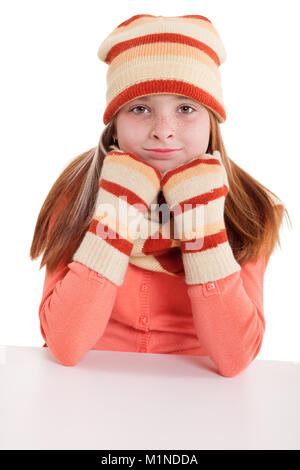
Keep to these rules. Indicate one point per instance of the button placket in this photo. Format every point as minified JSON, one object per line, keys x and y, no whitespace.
{"x":144,"y":312}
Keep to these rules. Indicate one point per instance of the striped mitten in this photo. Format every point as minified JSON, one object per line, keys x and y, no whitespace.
{"x":195,"y":192}
{"x":127,"y":187}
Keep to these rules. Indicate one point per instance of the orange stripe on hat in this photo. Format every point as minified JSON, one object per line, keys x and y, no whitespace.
{"x":164,"y":37}
{"x":163,"y":86}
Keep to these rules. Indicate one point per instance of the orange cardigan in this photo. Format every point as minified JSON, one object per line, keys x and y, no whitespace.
{"x":154,"y":312}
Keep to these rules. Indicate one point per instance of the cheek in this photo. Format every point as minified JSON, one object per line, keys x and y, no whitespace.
{"x":132,"y":131}
{"x":198,"y":131}
{"x":195,"y":135}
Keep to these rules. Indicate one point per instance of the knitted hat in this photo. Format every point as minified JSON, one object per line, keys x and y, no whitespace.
{"x":150,"y":54}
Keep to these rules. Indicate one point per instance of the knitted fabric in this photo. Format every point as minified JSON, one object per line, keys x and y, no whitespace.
{"x":155,"y":247}
{"x":196,"y":192}
{"x":127,"y":187}
{"x":150,"y":54}
{"x":154,"y":243}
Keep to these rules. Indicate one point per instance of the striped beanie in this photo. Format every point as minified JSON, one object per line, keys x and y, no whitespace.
{"x":150,"y":54}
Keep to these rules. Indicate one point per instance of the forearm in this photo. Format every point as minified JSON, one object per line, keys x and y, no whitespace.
{"x":75,"y":311}
{"x":228,"y":317}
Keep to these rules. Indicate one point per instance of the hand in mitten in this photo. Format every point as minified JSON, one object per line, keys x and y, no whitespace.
{"x":195,"y":192}
{"x":127,"y":187}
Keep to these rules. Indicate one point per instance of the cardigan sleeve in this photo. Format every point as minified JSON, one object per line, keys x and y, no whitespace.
{"x":76,"y":305}
{"x":229,"y":317}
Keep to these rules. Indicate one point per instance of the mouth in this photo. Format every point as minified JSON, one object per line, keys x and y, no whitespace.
{"x":162,"y":152}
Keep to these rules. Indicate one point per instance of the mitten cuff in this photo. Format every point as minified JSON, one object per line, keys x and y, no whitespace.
{"x":209,"y":265}
{"x":102,"y":257}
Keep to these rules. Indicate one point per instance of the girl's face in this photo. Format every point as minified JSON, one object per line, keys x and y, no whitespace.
{"x":163,"y":121}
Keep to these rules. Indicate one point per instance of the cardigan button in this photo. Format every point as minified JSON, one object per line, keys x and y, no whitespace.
{"x":143,"y":319}
{"x":144,"y":287}
{"x":211,"y":286}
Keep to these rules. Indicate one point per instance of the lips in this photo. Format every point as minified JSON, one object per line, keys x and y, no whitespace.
{"x":162,"y":153}
{"x":163,"y":150}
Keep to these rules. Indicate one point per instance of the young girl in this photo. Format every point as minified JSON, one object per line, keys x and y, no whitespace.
{"x":121,"y":277}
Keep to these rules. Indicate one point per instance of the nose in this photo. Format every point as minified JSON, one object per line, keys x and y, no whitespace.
{"x":162,"y":128}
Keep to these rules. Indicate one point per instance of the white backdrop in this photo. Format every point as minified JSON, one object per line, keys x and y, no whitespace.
{"x":52,"y":101}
